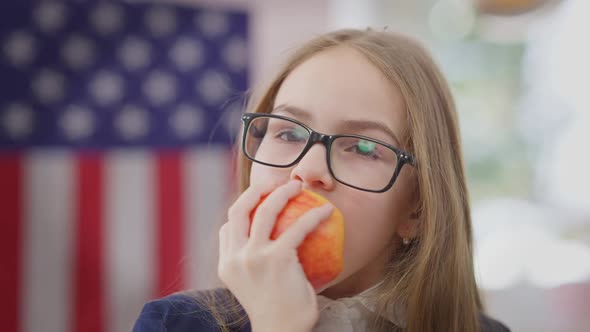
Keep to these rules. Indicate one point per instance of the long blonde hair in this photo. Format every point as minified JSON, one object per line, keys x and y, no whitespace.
{"x":434,"y":276}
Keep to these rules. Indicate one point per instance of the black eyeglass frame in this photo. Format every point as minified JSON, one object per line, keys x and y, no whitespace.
{"x":403,"y":157}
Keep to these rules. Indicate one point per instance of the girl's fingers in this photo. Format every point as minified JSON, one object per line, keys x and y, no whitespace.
{"x":239,"y":213}
{"x":268,"y":211}
{"x":296,"y":232}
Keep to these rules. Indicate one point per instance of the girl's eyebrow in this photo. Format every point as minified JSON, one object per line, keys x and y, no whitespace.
{"x":365,"y":124}
{"x":347,"y":124}
{"x":294,"y":111}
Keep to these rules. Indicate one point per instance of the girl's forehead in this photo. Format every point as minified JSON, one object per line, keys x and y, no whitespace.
{"x":342,"y":84}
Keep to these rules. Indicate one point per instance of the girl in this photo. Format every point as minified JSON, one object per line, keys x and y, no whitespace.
{"x":365,"y":119}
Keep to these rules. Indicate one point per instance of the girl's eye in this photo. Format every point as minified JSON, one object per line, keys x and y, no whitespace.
{"x":365,"y":148}
{"x":293,"y":135}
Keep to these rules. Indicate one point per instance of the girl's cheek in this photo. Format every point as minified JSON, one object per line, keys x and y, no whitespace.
{"x":258,"y":175}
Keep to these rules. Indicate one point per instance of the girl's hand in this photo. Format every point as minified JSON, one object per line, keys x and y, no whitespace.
{"x":265,"y":275}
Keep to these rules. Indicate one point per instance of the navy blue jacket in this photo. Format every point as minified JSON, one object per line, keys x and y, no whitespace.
{"x":181,"y":313}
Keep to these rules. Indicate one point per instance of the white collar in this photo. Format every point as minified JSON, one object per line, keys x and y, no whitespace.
{"x":348,"y":313}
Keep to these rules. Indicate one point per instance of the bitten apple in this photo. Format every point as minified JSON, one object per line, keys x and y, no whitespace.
{"x":321,"y":252}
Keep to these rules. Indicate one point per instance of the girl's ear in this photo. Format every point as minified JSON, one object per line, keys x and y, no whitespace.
{"x":408,"y":228}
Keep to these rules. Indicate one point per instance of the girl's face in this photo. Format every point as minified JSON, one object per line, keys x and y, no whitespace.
{"x":339,"y":91}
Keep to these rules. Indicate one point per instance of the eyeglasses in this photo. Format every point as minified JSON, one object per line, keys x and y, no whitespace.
{"x":357,"y":161}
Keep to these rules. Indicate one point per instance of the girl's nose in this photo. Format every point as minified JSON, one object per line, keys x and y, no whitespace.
{"x":313,"y":169}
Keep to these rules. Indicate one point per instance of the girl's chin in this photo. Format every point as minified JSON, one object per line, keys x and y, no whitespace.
{"x":320,"y":289}
{"x":332,"y":283}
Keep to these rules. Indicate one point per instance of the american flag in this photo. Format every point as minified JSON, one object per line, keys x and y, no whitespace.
{"x":116,"y":165}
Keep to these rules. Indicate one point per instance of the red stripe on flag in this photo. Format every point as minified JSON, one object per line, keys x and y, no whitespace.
{"x":170,"y":219}
{"x":11,"y":220}
{"x":88,"y":306}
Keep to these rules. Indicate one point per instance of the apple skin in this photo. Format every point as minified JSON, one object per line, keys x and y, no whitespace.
{"x":321,"y":253}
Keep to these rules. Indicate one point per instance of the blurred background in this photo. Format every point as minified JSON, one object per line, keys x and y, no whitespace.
{"x":116,"y":164}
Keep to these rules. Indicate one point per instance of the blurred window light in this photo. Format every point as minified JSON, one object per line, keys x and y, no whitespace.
{"x":518,"y":242}
{"x":451,"y":20}
{"x":563,"y":167}
{"x":358,"y":14}
{"x":555,"y":68}
{"x":554,"y":262}
{"x":564,"y":53}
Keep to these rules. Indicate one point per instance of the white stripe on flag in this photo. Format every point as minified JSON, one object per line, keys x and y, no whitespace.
{"x":48,"y":241}
{"x":206,"y":172}
{"x":130,"y":246}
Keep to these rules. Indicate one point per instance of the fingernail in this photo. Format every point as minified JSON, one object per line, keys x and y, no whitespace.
{"x":327,"y":208}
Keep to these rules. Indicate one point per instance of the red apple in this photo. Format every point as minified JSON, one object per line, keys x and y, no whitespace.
{"x":321,"y":252}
